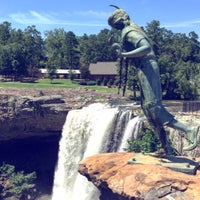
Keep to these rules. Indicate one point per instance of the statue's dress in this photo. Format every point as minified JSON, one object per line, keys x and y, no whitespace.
{"x":149,"y":77}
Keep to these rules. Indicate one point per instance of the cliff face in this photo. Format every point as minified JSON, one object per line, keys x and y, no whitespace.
{"x":32,"y":112}
{"x":23,"y":117}
{"x":118,"y":180}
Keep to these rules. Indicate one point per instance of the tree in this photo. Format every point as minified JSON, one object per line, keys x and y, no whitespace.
{"x":5,"y":31}
{"x":12,"y":61}
{"x":177,"y":56}
{"x":72,"y":52}
{"x":51,"y":72}
{"x":84,"y":49}
{"x":88,"y":49}
{"x":21,"y":52}
{"x":62,"y":49}
{"x":104,"y":50}
{"x":54,"y":45}
{"x":95,"y":48}
{"x":34,"y":49}
{"x":16,"y":185}
{"x":85,"y":72}
{"x":132,"y":83}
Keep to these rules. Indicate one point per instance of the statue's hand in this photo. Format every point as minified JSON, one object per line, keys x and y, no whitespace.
{"x":118,"y":49}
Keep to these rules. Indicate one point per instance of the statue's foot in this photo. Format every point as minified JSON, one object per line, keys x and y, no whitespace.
{"x":161,"y":153}
{"x":132,"y":161}
{"x":171,"y":151}
{"x":192,"y":137}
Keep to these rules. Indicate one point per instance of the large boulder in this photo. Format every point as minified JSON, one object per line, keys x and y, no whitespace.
{"x":118,"y":180}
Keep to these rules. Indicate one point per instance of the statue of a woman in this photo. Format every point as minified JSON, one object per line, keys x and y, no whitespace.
{"x":137,"y":48}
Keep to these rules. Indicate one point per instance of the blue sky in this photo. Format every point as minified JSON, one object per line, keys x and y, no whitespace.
{"x":90,"y":16}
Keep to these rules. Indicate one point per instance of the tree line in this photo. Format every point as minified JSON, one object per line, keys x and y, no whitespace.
{"x":24,"y":52}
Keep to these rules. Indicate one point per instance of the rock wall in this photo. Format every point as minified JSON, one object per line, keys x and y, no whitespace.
{"x":178,"y":138}
{"x":25,"y":113}
{"x":22,"y":117}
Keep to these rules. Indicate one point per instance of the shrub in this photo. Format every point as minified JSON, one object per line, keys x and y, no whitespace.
{"x":98,"y":81}
{"x":148,"y":142}
{"x":16,"y":184}
{"x":41,"y":93}
{"x":83,"y":82}
{"x":111,"y":82}
{"x":105,"y":81}
{"x":91,"y":83}
{"x":71,"y":75}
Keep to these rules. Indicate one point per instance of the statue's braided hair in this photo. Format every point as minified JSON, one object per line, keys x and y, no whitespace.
{"x":117,"y":16}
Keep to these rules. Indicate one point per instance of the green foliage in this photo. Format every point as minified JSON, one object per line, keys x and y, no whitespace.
{"x":95,"y":48}
{"x":20,"y":52}
{"x":98,"y":81}
{"x":7,"y":169}
{"x":105,"y":81}
{"x":178,"y":58}
{"x":110,"y":82}
{"x":41,"y":93}
{"x":91,"y":83}
{"x":62,"y":48}
{"x":71,"y":75}
{"x":20,"y":184}
{"x":147,"y":142}
{"x":23,"y":52}
{"x":51,"y":72}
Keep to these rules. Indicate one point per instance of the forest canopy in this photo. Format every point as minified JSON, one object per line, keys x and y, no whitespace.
{"x":24,"y":52}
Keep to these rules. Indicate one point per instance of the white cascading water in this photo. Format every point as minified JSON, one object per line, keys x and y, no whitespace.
{"x":94,"y":129}
{"x":131,"y":132}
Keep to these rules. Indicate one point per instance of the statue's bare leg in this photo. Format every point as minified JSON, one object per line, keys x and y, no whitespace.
{"x":164,"y":141}
{"x":191,"y":133}
{"x":192,"y":136}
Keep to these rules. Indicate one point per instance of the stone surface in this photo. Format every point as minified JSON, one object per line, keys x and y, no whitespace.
{"x":31,"y":116}
{"x":177,"y":163}
{"x":118,"y":180}
{"x":33,"y":112}
{"x":177,"y":137}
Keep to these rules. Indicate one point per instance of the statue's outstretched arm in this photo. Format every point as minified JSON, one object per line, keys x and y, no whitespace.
{"x":143,"y":49}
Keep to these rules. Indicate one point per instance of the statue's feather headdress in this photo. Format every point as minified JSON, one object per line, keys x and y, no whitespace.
{"x":117,"y":15}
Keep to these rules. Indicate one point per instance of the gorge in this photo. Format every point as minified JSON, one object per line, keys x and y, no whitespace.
{"x":32,"y":126}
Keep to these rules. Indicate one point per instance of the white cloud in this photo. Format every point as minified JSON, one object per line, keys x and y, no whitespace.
{"x":75,"y":19}
{"x":92,"y":14}
{"x":183,"y":24}
{"x":31,"y":17}
{"x":41,"y":18}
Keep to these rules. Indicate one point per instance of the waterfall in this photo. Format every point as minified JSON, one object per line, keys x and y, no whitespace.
{"x":131,"y":132}
{"x":94,"y":129}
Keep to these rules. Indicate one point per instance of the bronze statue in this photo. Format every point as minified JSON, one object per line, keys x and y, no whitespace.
{"x":137,"y":48}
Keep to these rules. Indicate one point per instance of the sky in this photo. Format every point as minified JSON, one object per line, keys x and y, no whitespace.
{"x":90,"y":16}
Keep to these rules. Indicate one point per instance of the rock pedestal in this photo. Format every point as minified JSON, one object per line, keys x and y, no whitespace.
{"x":118,"y":180}
{"x":176,"y":163}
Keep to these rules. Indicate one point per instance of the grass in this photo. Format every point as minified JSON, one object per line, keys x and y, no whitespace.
{"x":56,"y":84}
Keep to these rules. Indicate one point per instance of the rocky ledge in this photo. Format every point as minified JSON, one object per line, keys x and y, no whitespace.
{"x":33,"y":112}
{"x":31,"y":116}
{"x":118,"y":180}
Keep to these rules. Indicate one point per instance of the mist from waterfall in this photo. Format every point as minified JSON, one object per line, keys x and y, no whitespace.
{"x":95,"y":129}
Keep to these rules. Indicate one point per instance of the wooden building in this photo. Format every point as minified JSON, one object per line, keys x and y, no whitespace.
{"x":62,"y":73}
{"x":101,"y":70}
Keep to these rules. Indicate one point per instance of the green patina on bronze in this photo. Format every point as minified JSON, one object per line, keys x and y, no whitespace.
{"x":176,"y":163}
{"x":136,"y":48}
